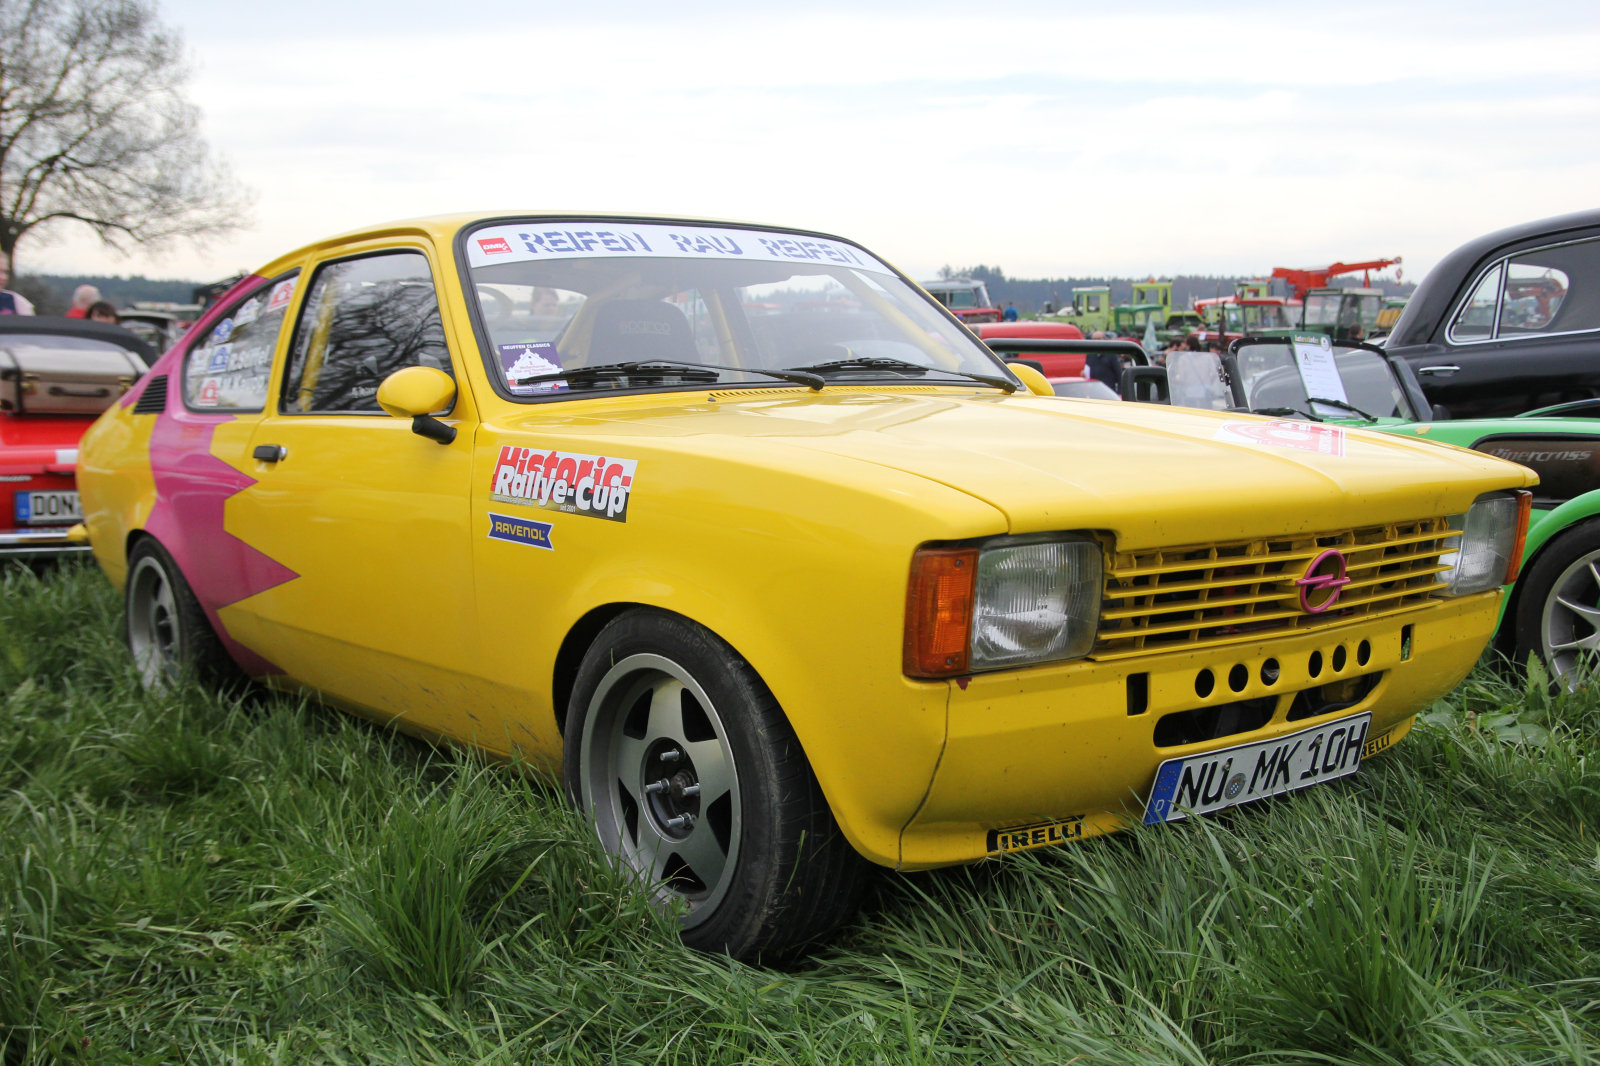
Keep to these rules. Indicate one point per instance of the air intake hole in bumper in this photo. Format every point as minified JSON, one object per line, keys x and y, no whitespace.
{"x":1325,"y":699}
{"x":1211,"y":723}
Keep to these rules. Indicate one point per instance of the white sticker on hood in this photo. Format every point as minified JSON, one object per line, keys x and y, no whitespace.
{"x":1301,"y":436}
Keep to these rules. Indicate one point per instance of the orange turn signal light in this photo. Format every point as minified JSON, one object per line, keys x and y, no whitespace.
{"x":939,"y":611}
{"x":1524,"y":511}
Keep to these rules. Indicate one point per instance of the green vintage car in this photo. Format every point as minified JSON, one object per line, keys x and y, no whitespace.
{"x":1317,"y":391}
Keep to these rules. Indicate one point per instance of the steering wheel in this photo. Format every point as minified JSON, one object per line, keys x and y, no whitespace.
{"x":496,"y":305}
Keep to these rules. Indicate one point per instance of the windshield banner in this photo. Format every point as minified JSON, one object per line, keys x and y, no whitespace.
{"x":521,"y":242}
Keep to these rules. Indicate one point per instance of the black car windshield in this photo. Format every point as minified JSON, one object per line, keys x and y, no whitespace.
{"x":575,"y":296}
{"x":1303,"y":377}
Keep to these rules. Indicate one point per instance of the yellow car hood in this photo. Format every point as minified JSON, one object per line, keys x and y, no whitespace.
{"x":1151,"y":473}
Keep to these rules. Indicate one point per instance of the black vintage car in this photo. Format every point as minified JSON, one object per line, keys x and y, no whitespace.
{"x":1509,"y":322}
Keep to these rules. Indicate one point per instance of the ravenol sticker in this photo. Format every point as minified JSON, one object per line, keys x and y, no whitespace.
{"x":591,"y":485}
{"x":282,"y":293}
{"x":1044,"y":834}
{"x":1301,"y":436}
{"x":520,"y":531}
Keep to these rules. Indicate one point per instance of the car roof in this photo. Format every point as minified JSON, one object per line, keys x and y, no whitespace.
{"x":1433,"y":298}
{"x":76,"y":327}
{"x":443,"y":228}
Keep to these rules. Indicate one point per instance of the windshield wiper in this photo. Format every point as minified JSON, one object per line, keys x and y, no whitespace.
{"x":1281,"y":411}
{"x":622,"y":370}
{"x":865,"y":362}
{"x":1340,"y":404}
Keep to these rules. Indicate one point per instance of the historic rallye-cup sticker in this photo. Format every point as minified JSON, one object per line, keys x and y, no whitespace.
{"x":595,"y":485}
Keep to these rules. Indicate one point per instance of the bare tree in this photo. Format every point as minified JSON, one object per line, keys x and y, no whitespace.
{"x":95,"y":128}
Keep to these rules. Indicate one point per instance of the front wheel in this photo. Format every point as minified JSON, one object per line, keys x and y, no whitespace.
{"x":691,"y":775}
{"x":1558,"y":606}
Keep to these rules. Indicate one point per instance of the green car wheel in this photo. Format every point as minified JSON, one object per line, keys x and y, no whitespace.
{"x":1558,"y":606}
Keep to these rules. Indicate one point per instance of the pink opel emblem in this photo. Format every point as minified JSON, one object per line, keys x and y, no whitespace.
{"x":1325,"y":577}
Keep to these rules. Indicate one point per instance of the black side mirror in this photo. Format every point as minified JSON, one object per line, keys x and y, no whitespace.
{"x":1145,"y":384}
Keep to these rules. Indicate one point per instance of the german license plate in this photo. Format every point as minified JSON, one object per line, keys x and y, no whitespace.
{"x":48,"y":509}
{"x":1199,"y":784}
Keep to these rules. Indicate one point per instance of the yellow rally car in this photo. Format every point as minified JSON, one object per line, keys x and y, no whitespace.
{"x":742,"y":534}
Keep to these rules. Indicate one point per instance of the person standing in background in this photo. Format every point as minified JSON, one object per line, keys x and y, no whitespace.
{"x":104,"y":312}
{"x":11,"y":303}
{"x":1010,"y":313}
{"x":83,"y":298}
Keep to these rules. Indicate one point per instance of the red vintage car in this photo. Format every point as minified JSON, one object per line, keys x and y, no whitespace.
{"x":56,"y":376}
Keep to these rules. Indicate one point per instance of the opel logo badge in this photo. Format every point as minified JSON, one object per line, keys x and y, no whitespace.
{"x":1324,"y":579}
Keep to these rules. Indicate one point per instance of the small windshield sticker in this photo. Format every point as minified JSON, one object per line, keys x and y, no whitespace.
{"x":282,"y":293}
{"x":530,"y":359}
{"x":248,"y":312}
{"x":219,"y":359}
{"x":566,"y":240}
{"x":223,"y":331}
{"x":1301,"y":436}
{"x":520,"y":531}
{"x":591,"y":485}
{"x":210,"y":390}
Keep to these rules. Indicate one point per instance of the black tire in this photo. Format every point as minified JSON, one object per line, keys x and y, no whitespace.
{"x":654,"y":683}
{"x":167,"y":630}
{"x":1557,"y":610}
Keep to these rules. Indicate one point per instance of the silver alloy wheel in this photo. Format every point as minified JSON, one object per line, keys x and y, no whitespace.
{"x":659,"y":782}
{"x":153,"y":623}
{"x":1569,"y":628}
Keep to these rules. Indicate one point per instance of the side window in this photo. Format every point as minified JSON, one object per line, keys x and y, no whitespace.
{"x":1552,"y":290}
{"x":1475,"y":320}
{"x":362,"y":320}
{"x":227,"y":367}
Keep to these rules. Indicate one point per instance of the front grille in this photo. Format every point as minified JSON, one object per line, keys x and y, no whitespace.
{"x":1208,"y":594}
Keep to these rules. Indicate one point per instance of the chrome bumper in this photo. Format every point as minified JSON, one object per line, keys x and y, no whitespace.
{"x":56,"y":541}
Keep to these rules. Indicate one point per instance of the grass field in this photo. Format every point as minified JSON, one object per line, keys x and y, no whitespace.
{"x":187,"y":878}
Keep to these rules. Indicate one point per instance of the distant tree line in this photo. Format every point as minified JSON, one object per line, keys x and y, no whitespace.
{"x":51,"y":294}
{"x":1031,"y":294}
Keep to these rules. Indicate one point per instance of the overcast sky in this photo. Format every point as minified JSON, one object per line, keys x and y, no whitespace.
{"x":1046,"y":138}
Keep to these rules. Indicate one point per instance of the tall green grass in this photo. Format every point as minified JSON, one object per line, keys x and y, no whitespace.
{"x":204,"y":878}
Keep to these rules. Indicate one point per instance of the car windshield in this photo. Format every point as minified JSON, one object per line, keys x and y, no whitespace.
{"x":573,"y":296}
{"x":1279,"y":377}
{"x":1265,"y":316}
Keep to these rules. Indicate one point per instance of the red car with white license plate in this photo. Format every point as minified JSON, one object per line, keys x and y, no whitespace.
{"x":56,"y":376}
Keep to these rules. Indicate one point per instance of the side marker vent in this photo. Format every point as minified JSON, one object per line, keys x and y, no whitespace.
{"x":153,"y":401}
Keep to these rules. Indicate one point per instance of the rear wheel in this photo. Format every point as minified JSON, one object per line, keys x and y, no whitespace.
{"x":691,"y":775}
{"x":168,"y":632}
{"x":1558,"y":606}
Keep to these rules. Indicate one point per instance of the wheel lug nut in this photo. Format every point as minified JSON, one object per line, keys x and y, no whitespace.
{"x":658,"y":786}
{"x":691,"y":790}
{"x":682,"y":821}
{"x":671,"y":756}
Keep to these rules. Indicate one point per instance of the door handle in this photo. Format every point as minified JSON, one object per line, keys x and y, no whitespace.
{"x":270,"y":453}
{"x":1437,"y":369}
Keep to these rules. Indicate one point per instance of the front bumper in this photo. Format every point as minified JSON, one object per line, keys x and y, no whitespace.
{"x":1067,"y":743}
